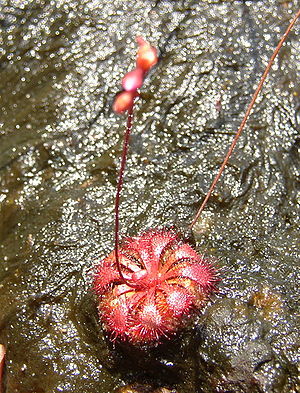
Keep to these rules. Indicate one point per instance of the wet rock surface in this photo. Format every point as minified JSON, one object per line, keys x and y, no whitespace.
{"x":61,"y":65}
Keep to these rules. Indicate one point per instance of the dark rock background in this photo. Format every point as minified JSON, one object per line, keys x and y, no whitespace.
{"x":60,"y":66}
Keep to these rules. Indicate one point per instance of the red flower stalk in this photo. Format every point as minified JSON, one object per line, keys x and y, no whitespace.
{"x":149,"y":285}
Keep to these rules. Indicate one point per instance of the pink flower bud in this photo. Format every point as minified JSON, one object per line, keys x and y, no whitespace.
{"x":124,"y":101}
{"x":133,"y":80}
{"x":146,"y":55}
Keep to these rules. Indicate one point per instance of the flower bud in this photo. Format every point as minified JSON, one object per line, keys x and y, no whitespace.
{"x":146,"y":55}
{"x":123,"y":101}
{"x":133,"y":80}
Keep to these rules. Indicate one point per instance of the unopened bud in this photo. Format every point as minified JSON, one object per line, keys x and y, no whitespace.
{"x":133,"y":80}
{"x":146,"y":55}
{"x":124,"y":101}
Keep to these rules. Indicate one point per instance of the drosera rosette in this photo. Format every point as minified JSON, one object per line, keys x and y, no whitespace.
{"x":168,"y":279}
{"x":152,"y":283}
